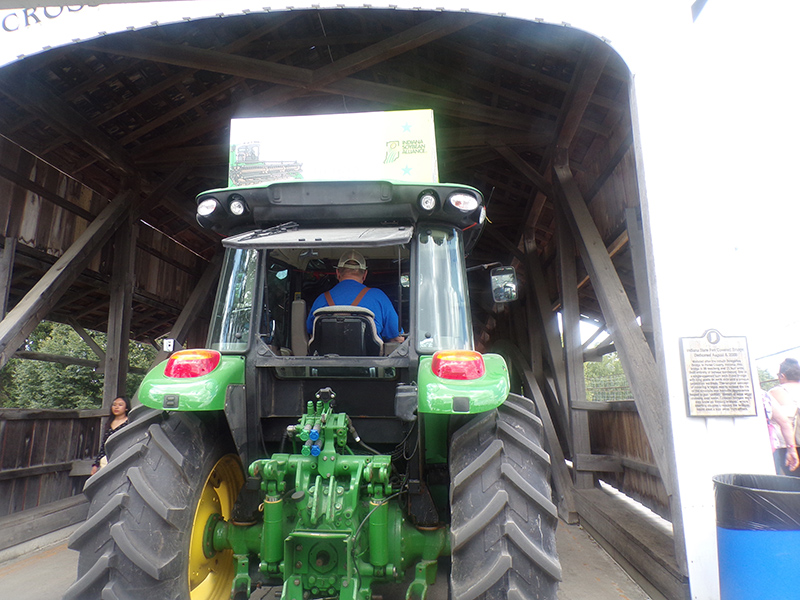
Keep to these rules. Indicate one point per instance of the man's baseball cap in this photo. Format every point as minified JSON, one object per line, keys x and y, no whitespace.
{"x":352,"y":260}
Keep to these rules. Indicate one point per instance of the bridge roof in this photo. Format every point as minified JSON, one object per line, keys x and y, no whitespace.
{"x":154,"y":106}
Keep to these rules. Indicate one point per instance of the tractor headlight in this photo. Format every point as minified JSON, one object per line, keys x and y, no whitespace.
{"x":463,"y":201}
{"x":427,"y":201}
{"x":237,"y":205}
{"x":207,"y":206}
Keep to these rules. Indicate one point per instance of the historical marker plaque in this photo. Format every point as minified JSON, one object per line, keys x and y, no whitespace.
{"x":717,"y":376}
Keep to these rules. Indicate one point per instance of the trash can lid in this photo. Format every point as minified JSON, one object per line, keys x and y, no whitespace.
{"x":757,"y":502}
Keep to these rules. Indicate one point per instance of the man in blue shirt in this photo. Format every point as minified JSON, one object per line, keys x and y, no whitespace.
{"x":351,"y":271}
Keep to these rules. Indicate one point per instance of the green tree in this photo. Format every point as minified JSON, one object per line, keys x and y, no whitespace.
{"x":39,"y":384}
{"x":605,"y":380}
{"x":766,"y":379}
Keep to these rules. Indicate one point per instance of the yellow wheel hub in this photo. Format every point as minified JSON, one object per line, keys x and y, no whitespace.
{"x":211,"y":578}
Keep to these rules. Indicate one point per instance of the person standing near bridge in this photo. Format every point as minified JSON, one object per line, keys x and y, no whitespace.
{"x":785,"y":402}
{"x":117,"y":419}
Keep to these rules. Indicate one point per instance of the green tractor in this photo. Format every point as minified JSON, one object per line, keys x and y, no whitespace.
{"x":334,"y":465}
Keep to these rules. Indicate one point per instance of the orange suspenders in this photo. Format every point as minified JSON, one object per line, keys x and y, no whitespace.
{"x":355,"y":302}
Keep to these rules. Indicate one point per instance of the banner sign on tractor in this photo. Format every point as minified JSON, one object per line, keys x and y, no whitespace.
{"x":392,"y":145}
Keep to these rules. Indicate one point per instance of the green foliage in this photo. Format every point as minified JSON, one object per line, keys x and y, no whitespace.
{"x":605,"y":380}
{"x":767,"y":379}
{"x":39,"y":384}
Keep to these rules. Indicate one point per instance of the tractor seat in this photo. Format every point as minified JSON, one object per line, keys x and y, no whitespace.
{"x":344,"y":331}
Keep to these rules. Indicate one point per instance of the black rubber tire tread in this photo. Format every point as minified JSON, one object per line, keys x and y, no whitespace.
{"x":503,"y":519}
{"x":134,"y":543}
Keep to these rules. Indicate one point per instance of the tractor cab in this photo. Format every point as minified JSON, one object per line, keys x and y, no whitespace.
{"x":412,"y":237}
{"x":272,"y":279}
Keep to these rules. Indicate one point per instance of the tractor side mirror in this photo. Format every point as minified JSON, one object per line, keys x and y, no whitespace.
{"x":504,"y":284}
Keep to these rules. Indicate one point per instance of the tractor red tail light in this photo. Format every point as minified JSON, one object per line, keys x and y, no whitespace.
{"x":458,"y":364}
{"x":191,"y":363}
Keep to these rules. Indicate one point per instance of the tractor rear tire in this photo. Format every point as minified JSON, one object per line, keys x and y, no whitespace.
{"x":167,"y":472}
{"x":503,"y":518}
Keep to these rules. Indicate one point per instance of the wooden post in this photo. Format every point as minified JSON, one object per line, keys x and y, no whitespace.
{"x":8,"y":255}
{"x":119,"y":312}
{"x":553,"y":351}
{"x":197,"y":298}
{"x":573,"y":352}
{"x":635,"y":355}
{"x":633,"y":218}
{"x":6,"y":271}
{"x":43,"y":296}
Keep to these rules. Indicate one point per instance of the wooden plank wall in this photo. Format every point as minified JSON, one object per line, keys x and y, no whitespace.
{"x":48,"y":210}
{"x":165,"y":269}
{"x":38,"y":450}
{"x":616,"y":431}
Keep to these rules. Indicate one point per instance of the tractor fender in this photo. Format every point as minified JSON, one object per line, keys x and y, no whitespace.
{"x":453,"y":396}
{"x":202,"y":393}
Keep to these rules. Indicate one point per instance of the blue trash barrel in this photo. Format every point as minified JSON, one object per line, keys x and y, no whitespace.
{"x":758,"y":536}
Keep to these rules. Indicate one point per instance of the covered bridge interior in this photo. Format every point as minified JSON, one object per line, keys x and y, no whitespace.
{"x":106,"y":142}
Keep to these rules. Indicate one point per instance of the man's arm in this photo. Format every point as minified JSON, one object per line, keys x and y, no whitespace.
{"x":389,"y":327}
{"x":784,"y":423}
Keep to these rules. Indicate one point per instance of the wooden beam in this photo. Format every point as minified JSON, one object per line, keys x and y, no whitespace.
{"x":6,"y":272}
{"x":44,"y":193}
{"x":201,"y":59}
{"x":635,"y":355}
{"x":42,"y":297}
{"x":174,"y":80}
{"x":597,"y":353}
{"x":601,"y":328}
{"x":638,"y":465}
{"x":387,"y":95}
{"x":504,"y":242}
{"x":620,"y":242}
{"x":424,"y":33}
{"x":198,"y":297}
{"x":472,"y":54}
{"x":455,"y":107}
{"x":602,"y":463}
{"x":199,"y":156}
{"x":331,"y":78}
{"x":523,"y":167}
{"x":590,"y":66}
{"x":159,"y":194}
{"x":98,"y":351}
{"x":18,"y":85}
{"x":610,"y":167}
{"x":448,"y":76}
{"x":632,"y":538}
{"x":633,"y":218}
{"x":573,"y":355}
{"x":119,"y":311}
{"x":468,"y":136}
{"x":553,"y":350}
{"x":192,"y":103}
{"x":26,"y":525}
{"x":620,"y":405}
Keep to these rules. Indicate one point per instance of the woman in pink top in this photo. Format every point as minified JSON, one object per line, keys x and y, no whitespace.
{"x":785,"y":403}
